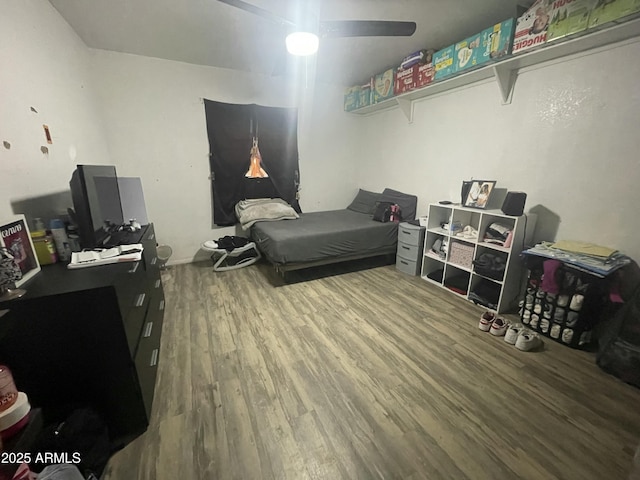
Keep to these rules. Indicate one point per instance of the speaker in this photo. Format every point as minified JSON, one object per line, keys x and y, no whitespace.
{"x":514,"y":203}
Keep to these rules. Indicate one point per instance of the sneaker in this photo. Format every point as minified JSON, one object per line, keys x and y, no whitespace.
{"x":486,"y":320}
{"x":563,"y":300}
{"x":576,"y":302}
{"x":527,"y":341}
{"x":499,"y":327}
{"x":513,"y":332}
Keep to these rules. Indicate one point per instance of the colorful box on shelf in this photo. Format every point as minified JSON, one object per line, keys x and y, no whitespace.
{"x":366,"y":94}
{"x":502,"y":38}
{"x":569,"y":17}
{"x":490,"y":44}
{"x":443,"y":63}
{"x":425,"y":74}
{"x":472,"y":52}
{"x":612,"y":11}
{"x":417,"y":58}
{"x":383,"y":85}
{"x":351,"y":98}
{"x":531,"y":27}
{"x":405,"y":79}
{"x":358,"y":96}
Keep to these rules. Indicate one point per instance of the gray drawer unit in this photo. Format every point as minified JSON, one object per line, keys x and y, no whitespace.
{"x":410,"y":267}
{"x":411,"y":234}
{"x":410,"y":246}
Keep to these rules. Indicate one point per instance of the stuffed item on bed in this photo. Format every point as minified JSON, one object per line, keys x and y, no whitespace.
{"x":263,"y":210}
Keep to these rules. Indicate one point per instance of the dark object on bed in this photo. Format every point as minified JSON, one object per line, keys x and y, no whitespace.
{"x":321,"y":238}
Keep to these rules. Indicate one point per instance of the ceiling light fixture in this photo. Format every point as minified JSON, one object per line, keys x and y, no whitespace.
{"x":302,"y":43}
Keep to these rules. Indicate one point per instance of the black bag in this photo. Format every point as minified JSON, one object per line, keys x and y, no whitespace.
{"x":83,"y":436}
{"x":619,"y":352}
{"x":491,"y":265}
{"x":387,"y":212}
{"x":231,"y":242}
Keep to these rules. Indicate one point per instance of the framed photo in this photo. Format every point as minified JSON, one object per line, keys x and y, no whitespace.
{"x":15,"y":241}
{"x":479,"y":193}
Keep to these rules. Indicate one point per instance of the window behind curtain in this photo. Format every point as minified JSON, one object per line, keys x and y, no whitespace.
{"x":231,"y":129}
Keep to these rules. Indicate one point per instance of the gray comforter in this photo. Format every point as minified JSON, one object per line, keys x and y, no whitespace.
{"x":322,"y":235}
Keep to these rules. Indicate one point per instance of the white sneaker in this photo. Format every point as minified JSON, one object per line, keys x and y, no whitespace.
{"x":499,"y":327}
{"x":528,"y":340}
{"x":486,"y":320}
{"x":513,"y":332}
{"x":210,"y":244}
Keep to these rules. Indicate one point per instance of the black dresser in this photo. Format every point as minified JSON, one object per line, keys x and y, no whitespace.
{"x":89,"y":337}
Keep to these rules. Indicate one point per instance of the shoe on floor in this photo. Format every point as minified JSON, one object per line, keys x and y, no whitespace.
{"x":527,"y":341}
{"x":513,"y":332}
{"x":499,"y":327}
{"x":486,"y":320}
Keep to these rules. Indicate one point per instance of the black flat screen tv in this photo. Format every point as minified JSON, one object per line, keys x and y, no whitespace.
{"x":97,"y":203}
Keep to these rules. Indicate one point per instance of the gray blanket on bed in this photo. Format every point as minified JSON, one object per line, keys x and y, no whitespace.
{"x":322,"y":235}
{"x":263,"y":210}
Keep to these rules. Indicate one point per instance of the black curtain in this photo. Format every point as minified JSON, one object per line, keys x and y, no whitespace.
{"x":231,"y":129}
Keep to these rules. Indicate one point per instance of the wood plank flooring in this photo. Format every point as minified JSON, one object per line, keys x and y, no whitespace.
{"x":369,"y":374}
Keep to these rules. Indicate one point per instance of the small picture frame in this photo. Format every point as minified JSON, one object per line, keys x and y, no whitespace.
{"x":479,"y":193}
{"x":15,"y":240}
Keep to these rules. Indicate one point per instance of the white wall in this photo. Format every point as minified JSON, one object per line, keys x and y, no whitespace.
{"x":145,"y":116}
{"x":44,"y":65}
{"x":155,"y":127}
{"x":570,"y":139}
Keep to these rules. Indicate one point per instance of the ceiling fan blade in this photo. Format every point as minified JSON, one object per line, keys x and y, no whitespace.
{"x":366,"y":28}
{"x":247,"y":7}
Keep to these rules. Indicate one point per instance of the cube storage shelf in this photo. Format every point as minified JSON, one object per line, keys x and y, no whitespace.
{"x":454,"y":267}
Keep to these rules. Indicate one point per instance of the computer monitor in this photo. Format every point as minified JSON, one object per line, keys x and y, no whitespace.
{"x":97,"y":203}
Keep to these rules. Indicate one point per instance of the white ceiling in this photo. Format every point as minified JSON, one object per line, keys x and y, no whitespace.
{"x":207,"y":32}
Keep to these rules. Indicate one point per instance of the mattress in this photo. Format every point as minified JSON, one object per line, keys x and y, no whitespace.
{"x":326,"y":235}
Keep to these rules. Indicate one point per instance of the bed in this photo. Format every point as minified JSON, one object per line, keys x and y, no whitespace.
{"x":321,"y":238}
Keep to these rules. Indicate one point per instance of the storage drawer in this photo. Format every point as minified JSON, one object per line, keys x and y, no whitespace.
{"x":410,"y":234}
{"x":135,"y":319}
{"x":128,"y":284}
{"x":409,"y":252}
{"x":146,"y":363}
{"x":407,"y":266}
{"x":461,"y":254}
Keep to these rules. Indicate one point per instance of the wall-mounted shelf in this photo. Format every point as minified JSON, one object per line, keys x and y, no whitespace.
{"x":505,"y":71}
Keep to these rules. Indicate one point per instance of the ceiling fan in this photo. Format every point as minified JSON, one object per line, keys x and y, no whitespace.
{"x":307,"y":31}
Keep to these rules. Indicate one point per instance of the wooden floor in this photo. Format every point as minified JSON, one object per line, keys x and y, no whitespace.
{"x":365,"y":375}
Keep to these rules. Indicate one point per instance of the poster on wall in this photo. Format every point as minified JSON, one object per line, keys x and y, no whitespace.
{"x":18,"y":258}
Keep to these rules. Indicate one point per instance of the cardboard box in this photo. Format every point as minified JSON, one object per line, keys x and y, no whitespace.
{"x":405,"y":80}
{"x":422,"y":57}
{"x":612,"y":10}
{"x":502,"y":38}
{"x":358,"y":96}
{"x":424,"y":75}
{"x":492,"y":43}
{"x":383,"y":86}
{"x":365,"y":94}
{"x":472,"y":52}
{"x":531,"y":27}
{"x":443,"y":63}
{"x":351,"y":98}
{"x":569,"y":17}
